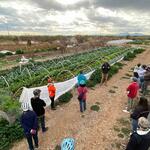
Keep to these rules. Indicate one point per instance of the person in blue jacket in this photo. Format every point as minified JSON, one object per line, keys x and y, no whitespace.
{"x":29,"y":124}
{"x":81,"y":77}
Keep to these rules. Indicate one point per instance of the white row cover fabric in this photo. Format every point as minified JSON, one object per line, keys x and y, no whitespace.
{"x":61,"y":88}
{"x":118,"y":42}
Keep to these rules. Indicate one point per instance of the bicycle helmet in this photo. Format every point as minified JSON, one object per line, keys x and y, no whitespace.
{"x":68,"y":144}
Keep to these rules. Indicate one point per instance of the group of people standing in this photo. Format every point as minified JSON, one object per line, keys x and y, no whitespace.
{"x":139,"y":109}
{"x":31,"y":120}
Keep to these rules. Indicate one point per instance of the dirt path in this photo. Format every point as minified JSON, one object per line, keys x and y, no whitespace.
{"x":92,"y":130}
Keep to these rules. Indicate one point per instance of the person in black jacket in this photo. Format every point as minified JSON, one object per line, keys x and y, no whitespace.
{"x":141,"y":110}
{"x":29,"y":123}
{"x":38,"y":107}
{"x":105,"y":69}
{"x":140,"y":140}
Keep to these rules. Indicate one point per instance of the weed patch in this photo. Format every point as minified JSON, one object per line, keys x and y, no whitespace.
{"x":95,"y":108}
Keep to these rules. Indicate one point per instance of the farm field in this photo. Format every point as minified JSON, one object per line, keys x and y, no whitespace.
{"x":60,"y":69}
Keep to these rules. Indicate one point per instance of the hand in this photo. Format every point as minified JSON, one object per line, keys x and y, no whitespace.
{"x":32,"y":131}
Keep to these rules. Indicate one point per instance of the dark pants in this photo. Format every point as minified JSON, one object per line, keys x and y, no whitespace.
{"x":41,"y":120}
{"x":134,"y":125}
{"x":30,"y":142}
{"x":82,"y":105}
{"x":52,"y":102}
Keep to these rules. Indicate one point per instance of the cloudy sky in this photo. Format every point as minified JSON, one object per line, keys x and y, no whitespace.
{"x":69,"y":17}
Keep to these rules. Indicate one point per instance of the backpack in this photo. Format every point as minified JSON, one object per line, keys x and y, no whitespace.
{"x":80,"y":96}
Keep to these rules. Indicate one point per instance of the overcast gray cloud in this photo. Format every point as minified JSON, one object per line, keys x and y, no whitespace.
{"x":124,"y":4}
{"x":75,"y":16}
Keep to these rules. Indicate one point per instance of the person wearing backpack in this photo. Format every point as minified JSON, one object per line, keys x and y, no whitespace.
{"x":82,"y":90}
{"x":141,"y":110}
{"x":140,"y":140}
{"x":29,"y":123}
{"x":81,"y":77}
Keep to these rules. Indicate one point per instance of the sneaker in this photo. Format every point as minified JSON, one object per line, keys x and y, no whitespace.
{"x":36,"y":146}
{"x":126,"y":111}
{"x":45,"y":129}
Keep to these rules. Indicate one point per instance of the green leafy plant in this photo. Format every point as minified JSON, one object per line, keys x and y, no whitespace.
{"x":95,"y":108}
{"x":65,"y":98}
{"x":19,"y":51}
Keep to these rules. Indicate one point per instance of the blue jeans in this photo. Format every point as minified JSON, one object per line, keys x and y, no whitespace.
{"x":41,"y":120}
{"x":134,"y":125}
{"x":82,"y":105}
{"x":30,"y":142}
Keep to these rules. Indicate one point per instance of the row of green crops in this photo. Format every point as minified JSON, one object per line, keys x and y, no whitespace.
{"x":59,"y":69}
{"x":144,"y":42}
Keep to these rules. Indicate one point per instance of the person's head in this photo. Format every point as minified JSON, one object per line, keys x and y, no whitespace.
{"x":148,"y":68}
{"x":82,"y":83}
{"x":135,"y":74}
{"x":144,"y":66}
{"x":138,"y":64}
{"x":37,"y":92}
{"x":143,"y":102}
{"x":50,"y":81}
{"x":81,"y":71}
{"x":133,"y":79}
{"x":25,"y":106}
{"x":143,"y":123}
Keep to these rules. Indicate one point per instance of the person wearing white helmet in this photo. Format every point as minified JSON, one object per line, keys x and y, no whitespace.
{"x":29,"y":124}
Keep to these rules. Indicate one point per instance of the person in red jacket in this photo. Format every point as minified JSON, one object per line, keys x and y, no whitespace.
{"x":133,"y":92}
{"x":52,"y":92}
{"x":82,"y":90}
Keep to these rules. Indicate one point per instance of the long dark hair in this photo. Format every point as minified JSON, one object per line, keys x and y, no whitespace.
{"x":143,"y":102}
{"x":135,"y":74}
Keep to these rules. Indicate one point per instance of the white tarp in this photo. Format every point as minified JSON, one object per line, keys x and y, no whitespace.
{"x":118,"y":42}
{"x":61,"y":88}
{"x":6,"y":51}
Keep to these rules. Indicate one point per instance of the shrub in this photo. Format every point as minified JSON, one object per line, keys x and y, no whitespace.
{"x":95,"y":78}
{"x":95,"y":108}
{"x":2,"y":55}
{"x":19,"y":51}
{"x":9,"y":53}
{"x":138,"y":51}
{"x":129,"y":56}
{"x":9,"y":133}
{"x":65,"y":98}
{"x":9,"y":105}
